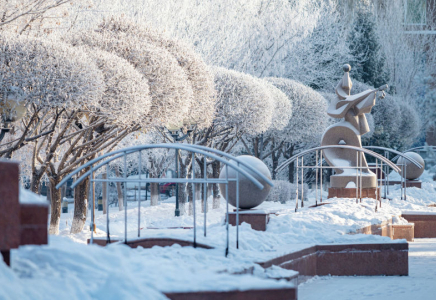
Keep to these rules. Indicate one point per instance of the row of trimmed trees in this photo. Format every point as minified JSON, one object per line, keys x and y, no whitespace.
{"x":88,"y":93}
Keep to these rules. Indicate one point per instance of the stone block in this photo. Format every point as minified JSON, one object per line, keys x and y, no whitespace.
{"x":409,"y":183}
{"x":258,"y":294}
{"x":425,"y":223}
{"x":351,"y":193}
{"x":257,"y":219}
{"x":33,"y":228}
{"x":403,"y":231}
{"x":9,"y":205}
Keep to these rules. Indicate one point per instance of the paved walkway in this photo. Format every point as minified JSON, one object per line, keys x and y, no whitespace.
{"x":419,"y":285}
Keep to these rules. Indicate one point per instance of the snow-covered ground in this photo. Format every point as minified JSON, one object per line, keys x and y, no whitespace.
{"x":57,"y":270}
{"x":420,"y":284}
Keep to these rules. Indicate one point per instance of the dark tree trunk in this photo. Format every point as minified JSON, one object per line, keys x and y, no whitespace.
{"x":56,"y":199}
{"x":104,"y":193}
{"x":182,"y":189}
{"x":154,"y":194}
{"x":119,"y":191}
{"x":35,"y":183}
{"x":81,"y":193}
{"x":216,"y":174}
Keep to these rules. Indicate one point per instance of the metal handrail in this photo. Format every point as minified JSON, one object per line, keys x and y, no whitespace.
{"x":233,"y":162}
{"x":399,"y":154}
{"x":190,"y":148}
{"x":372,"y":153}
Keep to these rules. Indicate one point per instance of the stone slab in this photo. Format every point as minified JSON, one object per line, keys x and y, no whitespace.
{"x":351,"y":193}
{"x":409,"y":183}
{"x":265,"y":294}
{"x":258,"y":220}
{"x":425,"y":224}
{"x":9,"y":205}
{"x":362,"y":260}
{"x":33,"y":228}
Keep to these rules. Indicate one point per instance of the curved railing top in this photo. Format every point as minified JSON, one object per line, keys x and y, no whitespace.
{"x":420,"y":147}
{"x":372,"y":153}
{"x":192,"y":148}
{"x":398,"y":153}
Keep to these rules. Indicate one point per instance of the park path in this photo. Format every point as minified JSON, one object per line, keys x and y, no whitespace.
{"x":419,"y":285}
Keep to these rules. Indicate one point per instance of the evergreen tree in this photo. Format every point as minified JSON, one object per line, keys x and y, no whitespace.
{"x":368,"y":64}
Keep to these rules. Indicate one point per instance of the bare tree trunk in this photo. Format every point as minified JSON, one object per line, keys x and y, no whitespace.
{"x":216,"y":191}
{"x":55,"y":206}
{"x":182,"y":189}
{"x":119,"y":191}
{"x":36,"y":181}
{"x":191,"y":198}
{"x":104,"y":194}
{"x":81,"y":193}
{"x":154,"y":194}
{"x":202,"y":189}
{"x":49,"y":193}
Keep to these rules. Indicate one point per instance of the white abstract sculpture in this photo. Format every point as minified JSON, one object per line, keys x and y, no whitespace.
{"x":352,"y":110}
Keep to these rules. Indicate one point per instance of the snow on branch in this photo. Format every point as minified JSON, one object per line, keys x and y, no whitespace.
{"x":127,"y":96}
{"x":198,"y":73}
{"x":170,"y":91}
{"x":50,"y":74}
{"x":243,"y":101}
{"x":309,"y":117}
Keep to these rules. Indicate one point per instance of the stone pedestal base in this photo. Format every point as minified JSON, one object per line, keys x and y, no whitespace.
{"x":409,"y":183}
{"x":351,"y":193}
{"x":256,"y":218}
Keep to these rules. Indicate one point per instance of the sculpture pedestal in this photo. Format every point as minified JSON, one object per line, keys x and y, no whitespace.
{"x":351,"y":193}
{"x":256,"y":218}
{"x":409,"y":183}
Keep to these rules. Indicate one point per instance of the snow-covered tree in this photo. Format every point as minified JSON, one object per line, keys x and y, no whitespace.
{"x":170,"y":90}
{"x":410,"y":57}
{"x":302,"y":40}
{"x":368,"y":61}
{"x":396,"y":123}
{"x":39,"y":17}
{"x":305,"y":127}
{"x":201,"y":109}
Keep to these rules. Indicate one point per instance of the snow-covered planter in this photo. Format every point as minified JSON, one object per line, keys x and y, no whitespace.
{"x":281,"y":191}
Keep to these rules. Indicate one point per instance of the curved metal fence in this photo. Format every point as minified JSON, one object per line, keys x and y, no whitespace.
{"x":226,"y":159}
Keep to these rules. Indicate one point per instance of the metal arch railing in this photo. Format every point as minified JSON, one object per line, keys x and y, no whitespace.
{"x":421,"y":148}
{"x":316,"y":167}
{"x":372,"y":153}
{"x":415,"y":149}
{"x":191,"y":148}
{"x":403,"y":170}
{"x":233,"y":162}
